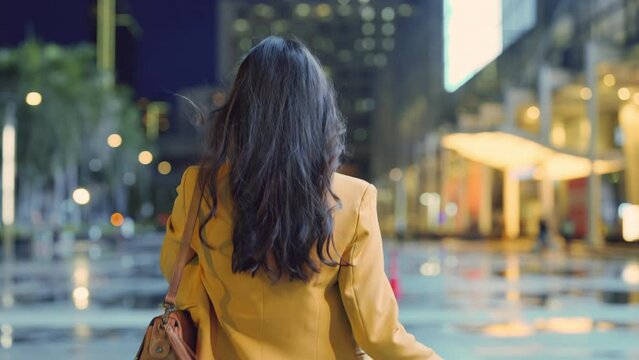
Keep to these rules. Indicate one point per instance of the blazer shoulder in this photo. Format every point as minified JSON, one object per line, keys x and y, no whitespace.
{"x":350,"y":182}
{"x":351,"y":190}
{"x":190,"y":176}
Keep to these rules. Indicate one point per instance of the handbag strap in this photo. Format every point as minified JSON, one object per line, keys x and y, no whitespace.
{"x":186,"y":253}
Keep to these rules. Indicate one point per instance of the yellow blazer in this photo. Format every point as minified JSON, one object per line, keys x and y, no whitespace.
{"x":326,"y":318}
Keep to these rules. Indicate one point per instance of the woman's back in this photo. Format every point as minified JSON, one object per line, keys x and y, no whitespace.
{"x":325,"y":318}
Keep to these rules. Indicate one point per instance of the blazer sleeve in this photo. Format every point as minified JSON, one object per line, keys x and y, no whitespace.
{"x":367,"y":296}
{"x":174,"y":227}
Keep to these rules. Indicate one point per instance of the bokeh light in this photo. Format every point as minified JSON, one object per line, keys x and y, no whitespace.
{"x":81,"y":297}
{"x":303,"y":10}
{"x":33,"y":98}
{"x":114,"y":140}
{"x":145,"y":157}
{"x":395,"y":174}
{"x":533,"y":112}
{"x":164,"y":167}
{"x":609,"y":80}
{"x":623,"y":93}
{"x":117,"y":219}
{"x":323,"y":10}
{"x":81,"y":196}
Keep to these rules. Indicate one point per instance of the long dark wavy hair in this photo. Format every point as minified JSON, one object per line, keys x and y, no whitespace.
{"x":282,"y":137}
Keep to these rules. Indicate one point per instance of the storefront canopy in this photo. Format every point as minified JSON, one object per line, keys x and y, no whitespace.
{"x":503,"y":150}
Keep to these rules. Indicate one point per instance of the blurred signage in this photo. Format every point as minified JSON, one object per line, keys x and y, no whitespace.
{"x":476,"y":32}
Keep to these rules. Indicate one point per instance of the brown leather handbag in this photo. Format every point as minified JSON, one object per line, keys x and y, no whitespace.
{"x":173,"y":335}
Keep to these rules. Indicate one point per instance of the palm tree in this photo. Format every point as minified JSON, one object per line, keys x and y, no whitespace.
{"x":60,"y":137}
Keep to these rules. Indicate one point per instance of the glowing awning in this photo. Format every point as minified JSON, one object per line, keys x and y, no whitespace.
{"x":508,"y":151}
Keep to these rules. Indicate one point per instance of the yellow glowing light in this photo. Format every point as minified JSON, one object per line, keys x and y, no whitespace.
{"x":117,"y":219}
{"x":609,"y":80}
{"x":164,"y":167}
{"x":396,"y":174}
{"x":114,"y":140}
{"x":635,"y":98}
{"x":81,"y":293}
{"x":511,"y":329}
{"x":630,"y":273}
{"x":323,"y":10}
{"x":497,"y":149}
{"x":502,"y":150}
{"x":623,"y":93}
{"x":533,"y":112}
{"x":575,"y":325}
{"x":81,"y":196}
{"x":585,"y":93}
{"x":81,"y":297}
{"x":145,"y":157}
{"x":33,"y":98}
{"x":630,"y":223}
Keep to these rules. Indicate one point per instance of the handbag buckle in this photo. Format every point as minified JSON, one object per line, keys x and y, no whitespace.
{"x":168,"y":309}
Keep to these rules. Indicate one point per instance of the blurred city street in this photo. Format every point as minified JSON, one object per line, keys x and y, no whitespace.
{"x":467,"y":299}
{"x":510,"y":120}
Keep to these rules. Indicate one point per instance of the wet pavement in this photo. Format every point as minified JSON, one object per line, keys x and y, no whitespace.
{"x":468,"y":300}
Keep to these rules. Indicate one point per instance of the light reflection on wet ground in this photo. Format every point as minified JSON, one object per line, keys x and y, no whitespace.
{"x":466,"y":300}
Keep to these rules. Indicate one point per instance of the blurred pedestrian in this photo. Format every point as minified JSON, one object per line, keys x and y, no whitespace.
{"x":542,"y":236}
{"x":289,"y":252}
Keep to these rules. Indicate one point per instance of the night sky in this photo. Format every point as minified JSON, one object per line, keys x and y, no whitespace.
{"x":175,"y":48}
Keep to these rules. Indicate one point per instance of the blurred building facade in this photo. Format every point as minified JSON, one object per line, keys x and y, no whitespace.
{"x":545,"y":132}
{"x":353,"y":39}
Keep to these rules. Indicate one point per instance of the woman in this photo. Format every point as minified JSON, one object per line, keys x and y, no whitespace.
{"x":289,"y":254}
